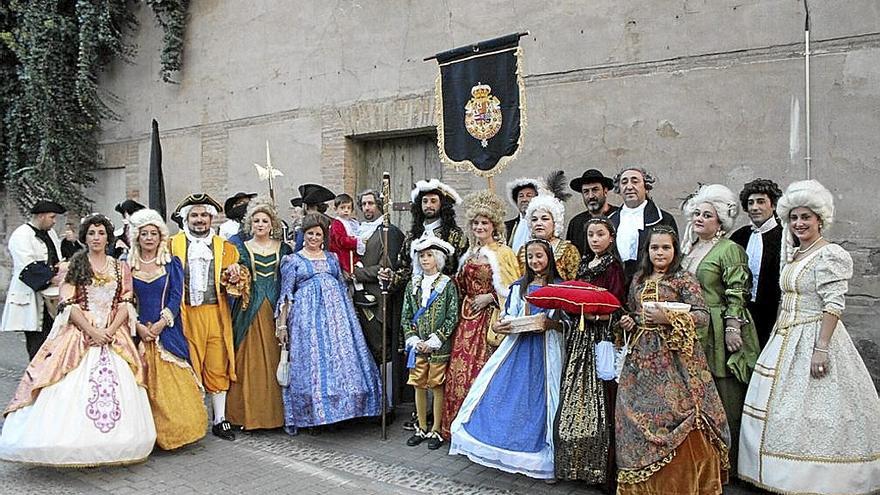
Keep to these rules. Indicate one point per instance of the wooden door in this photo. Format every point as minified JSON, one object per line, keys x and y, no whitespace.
{"x":407,"y":159}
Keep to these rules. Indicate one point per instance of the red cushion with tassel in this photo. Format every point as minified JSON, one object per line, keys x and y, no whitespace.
{"x":575,"y":297}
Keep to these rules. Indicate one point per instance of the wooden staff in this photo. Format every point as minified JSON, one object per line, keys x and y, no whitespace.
{"x":385,"y":263}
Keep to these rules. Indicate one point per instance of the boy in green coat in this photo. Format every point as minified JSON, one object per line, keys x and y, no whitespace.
{"x":430,"y":314}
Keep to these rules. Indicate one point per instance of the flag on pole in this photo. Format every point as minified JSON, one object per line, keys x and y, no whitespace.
{"x":157,"y":181}
{"x":480,"y":105}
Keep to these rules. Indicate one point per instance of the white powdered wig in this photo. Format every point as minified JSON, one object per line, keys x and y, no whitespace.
{"x":722,"y":199}
{"x":807,"y":194}
{"x":551,"y":205}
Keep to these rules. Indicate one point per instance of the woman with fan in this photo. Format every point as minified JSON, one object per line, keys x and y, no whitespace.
{"x":506,"y":420}
{"x":584,"y":427}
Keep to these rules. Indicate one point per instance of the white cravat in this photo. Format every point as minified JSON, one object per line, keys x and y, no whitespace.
{"x":632,"y":220}
{"x":520,"y":235}
{"x":366,"y":229}
{"x":198,"y":260}
{"x":427,"y":283}
{"x":436,"y":224}
{"x":755,"y":251}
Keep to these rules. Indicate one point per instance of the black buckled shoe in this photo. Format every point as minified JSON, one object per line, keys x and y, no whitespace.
{"x":435,"y":441}
{"x":418,"y":437}
{"x":223,"y":430}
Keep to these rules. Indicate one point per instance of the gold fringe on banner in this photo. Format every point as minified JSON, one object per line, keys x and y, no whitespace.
{"x":467,"y":164}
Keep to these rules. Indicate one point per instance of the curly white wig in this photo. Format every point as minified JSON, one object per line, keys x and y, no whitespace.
{"x":722,"y":199}
{"x":807,"y":194}
{"x":139,"y":220}
{"x":551,"y":205}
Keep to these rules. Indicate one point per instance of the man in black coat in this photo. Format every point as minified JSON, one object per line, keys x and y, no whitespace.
{"x":593,"y":186}
{"x":634,"y":219}
{"x":762,"y":240}
{"x":368,"y":301}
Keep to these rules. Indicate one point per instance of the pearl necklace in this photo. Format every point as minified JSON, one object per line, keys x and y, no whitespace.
{"x":147,"y":262}
{"x":802,"y":251}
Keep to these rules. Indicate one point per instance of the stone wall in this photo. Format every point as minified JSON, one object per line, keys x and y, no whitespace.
{"x":697,"y":90}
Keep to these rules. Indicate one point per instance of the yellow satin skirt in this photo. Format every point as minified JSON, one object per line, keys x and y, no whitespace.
{"x":176,"y":399}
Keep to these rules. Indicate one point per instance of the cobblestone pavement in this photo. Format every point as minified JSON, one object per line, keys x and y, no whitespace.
{"x":350,"y":459}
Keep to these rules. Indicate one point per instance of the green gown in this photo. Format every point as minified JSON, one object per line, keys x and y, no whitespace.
{"x":726,"y":280}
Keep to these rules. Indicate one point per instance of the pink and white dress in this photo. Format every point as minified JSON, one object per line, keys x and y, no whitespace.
{"x":80,"y":405}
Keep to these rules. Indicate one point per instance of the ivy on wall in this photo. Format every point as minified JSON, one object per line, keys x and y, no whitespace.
{"x":51,"y":55}
{"x":171,"y":16}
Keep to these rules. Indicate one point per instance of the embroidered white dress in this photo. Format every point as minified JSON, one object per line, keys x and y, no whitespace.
{"x":802,"y":435}
{"x":94,"y":414}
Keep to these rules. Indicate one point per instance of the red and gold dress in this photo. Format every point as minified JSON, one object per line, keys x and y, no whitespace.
{"x":471,"y":348}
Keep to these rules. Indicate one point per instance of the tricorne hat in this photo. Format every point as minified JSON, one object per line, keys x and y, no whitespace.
{"x":434,"y":185}
{"x":591,"y":176}
{"x":197,"y":199}
{"x":230,"y":201}
{"x":313,"y":194}
{"x":44,"y":206}
{"x":429,"y":241}
{"x":128,"y":207}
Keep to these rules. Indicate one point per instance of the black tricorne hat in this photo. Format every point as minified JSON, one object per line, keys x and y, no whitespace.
{"x":199,"y":199}
{"x":128,"y":207}
{"x":230,"y":201}
{"x":313,"y":194}
{"x":44,"y":206}
{"x":591,"y":176}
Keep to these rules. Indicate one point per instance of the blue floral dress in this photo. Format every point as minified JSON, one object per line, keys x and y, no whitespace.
{"x":332,"y":374}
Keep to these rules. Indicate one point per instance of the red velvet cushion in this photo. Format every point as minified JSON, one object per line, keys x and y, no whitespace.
{"x":575,"y":297}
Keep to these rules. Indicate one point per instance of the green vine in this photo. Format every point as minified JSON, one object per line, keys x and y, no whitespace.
{"x":171,"y":16}
{"x":52,"y":53}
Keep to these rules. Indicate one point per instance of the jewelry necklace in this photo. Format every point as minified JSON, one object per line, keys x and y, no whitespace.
{"x":149,"y":261}
{"x":802,"y":251}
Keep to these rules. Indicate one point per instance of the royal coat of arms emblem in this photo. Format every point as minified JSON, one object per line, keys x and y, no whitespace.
{"x":482,"y":114}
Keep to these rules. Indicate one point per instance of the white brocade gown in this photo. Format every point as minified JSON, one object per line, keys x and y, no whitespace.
{"x":802,"y":435}
{"x":94,"y":414}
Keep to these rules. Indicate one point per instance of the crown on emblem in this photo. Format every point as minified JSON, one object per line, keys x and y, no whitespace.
{"x":481,"y":90}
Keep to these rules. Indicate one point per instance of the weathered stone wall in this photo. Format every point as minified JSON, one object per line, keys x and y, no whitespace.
{"x":697,"y":90}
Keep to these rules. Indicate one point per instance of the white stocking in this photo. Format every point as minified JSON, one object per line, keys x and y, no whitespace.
{"x":218,"y":399}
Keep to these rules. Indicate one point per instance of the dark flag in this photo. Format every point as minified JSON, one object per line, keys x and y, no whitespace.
{"x":157,"y":181}
{"x":480,"y":100}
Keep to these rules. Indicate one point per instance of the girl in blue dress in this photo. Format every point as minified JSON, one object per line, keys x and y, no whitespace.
{"x":506,"y":420}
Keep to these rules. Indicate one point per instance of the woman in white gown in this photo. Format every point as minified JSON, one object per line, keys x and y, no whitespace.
{"x":811,"y":420}
{"x":82,"y":401}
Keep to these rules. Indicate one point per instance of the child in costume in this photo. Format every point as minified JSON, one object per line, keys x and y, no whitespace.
{"x":506,"y":420}
{"x":430,"y":314}
{"x":344,"y":242}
